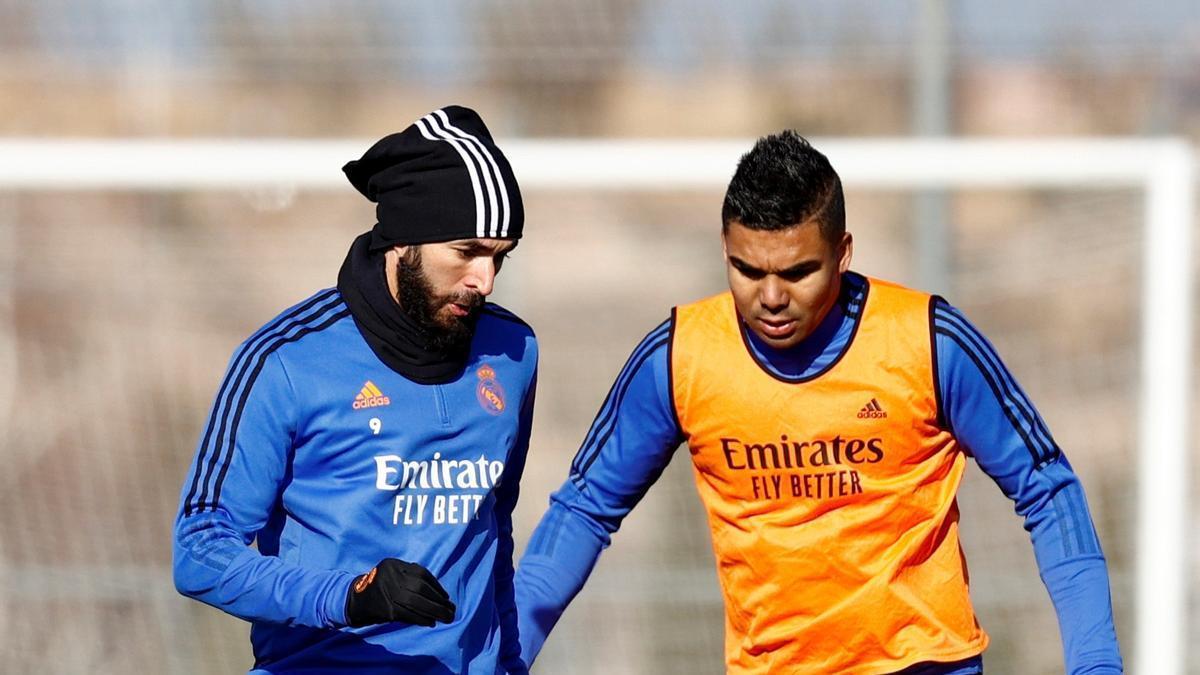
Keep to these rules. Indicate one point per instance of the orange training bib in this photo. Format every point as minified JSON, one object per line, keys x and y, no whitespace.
{"x":831,"y":500}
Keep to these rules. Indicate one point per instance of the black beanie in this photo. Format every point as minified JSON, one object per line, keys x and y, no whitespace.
{"x":442,"y":178}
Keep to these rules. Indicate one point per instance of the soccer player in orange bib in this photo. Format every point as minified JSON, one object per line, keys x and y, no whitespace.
{"x":829,"y":418}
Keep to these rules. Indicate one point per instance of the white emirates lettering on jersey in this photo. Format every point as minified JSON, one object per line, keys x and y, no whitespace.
{"x":436,"y":473}
{"x":499,"y":177}
{"x":460,"y":487}
{"x":434,"y":134}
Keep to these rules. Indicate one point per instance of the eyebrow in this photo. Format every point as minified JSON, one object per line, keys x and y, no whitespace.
{"x":476,"y":247}
{"x":805,"y":266}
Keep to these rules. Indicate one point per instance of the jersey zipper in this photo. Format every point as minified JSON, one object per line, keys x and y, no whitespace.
{"x":443,"y":411}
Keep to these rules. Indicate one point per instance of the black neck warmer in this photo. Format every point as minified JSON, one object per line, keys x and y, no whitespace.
{"x":395,"y":338}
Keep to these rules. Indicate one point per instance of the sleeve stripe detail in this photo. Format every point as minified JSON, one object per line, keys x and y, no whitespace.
{"x":1088,"y":542}
{"x":308,"y":304}
{"x":606,"y":419}
{"x":626,"y":372}
{"x":613,"y":424}
{"x":1035,"y":449}
{"x":546,"y":536}
{"x":1078,"y":538}
{"x":671,"y":375}
{"x":996,"y":391}
{"x":981,"y":352}
{"x":248,"y":346}
{"x":1064,"y":523}
{"x":237,"y":386}
{"x":262,"y":359}
{"x":938,"y":400}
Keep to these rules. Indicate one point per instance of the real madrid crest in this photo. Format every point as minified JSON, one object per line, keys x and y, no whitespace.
{"x":488,"y":391}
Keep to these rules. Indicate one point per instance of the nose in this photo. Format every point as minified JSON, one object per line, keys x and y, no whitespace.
{"x":772,"y":295}
{"x":482,"y":276}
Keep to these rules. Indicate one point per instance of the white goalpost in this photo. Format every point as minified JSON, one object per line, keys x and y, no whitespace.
{"x":1164,"y":170}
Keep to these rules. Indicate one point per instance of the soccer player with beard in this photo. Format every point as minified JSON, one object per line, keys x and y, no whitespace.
{"x":829,"y":418}
{"x":369,"y":440}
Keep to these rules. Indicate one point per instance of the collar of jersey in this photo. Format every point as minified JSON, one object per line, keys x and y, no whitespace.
{"x":817,"y":353}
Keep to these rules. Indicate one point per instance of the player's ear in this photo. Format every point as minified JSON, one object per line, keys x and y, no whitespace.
{"x":396,"y":253}
{"x":845,"y":252}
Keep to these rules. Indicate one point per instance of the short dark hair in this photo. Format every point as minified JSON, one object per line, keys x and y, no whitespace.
{"x":782,"y":182}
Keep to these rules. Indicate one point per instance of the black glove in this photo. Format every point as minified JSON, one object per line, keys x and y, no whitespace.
{"x":395,"y":590}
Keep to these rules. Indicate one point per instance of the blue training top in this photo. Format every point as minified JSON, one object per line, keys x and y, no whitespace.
{"x":331,"y":462}
{"x":983,"y":407}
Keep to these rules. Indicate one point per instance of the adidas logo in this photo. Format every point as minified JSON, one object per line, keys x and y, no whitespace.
{"x":370,"y":397}
{"x":872,"y":410}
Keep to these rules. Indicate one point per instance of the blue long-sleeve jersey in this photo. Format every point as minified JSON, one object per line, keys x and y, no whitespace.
{"x":636,"y":432}
{"x":330,"y":462}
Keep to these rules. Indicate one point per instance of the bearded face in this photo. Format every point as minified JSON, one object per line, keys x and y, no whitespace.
{"x":446,"y":317}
